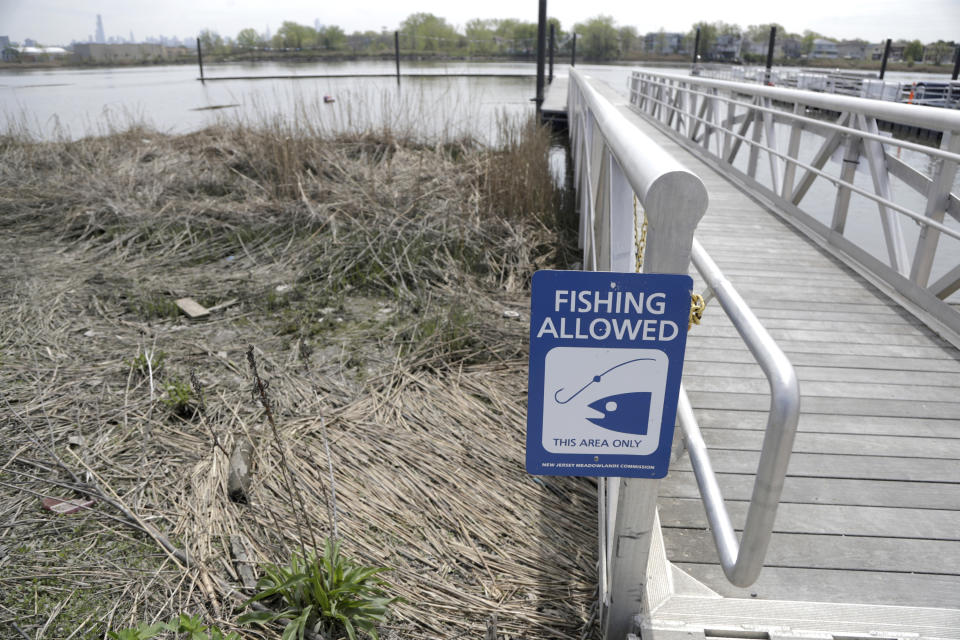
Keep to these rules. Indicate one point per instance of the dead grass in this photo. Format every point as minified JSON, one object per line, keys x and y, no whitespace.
{"x":371,"y":276}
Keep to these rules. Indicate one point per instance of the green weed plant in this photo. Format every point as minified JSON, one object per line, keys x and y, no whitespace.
{"x":190,"y":626}
{"x":328,"y":595}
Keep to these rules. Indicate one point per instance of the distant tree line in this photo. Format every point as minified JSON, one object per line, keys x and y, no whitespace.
{"x":598,"y":39}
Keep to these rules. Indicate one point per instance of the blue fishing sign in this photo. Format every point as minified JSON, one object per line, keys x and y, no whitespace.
{"x":606,"y":358}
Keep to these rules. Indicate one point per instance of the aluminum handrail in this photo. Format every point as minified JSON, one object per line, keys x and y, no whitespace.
{"x":659,"y":181}
{"x":912,"y":114}
{"x":743,"y":561}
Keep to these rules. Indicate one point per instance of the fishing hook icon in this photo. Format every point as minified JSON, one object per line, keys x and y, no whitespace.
{"x":596,"y":378}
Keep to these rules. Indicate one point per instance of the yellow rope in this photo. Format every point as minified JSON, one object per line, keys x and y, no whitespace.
{"x":697,"y":303}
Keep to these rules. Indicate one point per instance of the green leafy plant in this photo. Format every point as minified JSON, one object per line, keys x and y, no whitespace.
{"x":144,"y":364}
{"x":142,"y":632}
{"x":325,"y":595}
{"x":192,"y":626}
{"x":178,"y":396}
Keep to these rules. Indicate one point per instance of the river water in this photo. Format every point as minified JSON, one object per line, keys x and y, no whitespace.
{"x":443,"y":105}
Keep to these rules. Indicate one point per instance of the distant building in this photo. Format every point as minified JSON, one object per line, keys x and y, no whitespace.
{"x":761,"y":47}
{"x":4,"y":42}
{"x":852,"y":50}
{"x":875,"y":51}
{"x":29,"y":42}
{"x":33,"y":54}
{"x":664,"y":43}
{"x":939,"y":52}
{"x":727,"y":47}
{"x":95,"y":52}
{"x":824,"y":49}
{"x":792,"y":47}
{"x":101,"y":37}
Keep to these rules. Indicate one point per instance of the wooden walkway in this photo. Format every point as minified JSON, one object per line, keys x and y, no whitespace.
{"x":871,"y":506}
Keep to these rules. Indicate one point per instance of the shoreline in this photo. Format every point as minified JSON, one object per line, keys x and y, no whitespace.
{"x":312,"y":58}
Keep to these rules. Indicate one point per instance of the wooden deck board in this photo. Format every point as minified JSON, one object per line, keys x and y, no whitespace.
{"x":819,"y":585}
{"x":829,"y":519}
{"x":871,"y":505}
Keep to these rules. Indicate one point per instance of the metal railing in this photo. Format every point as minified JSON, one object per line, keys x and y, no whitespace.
{"x":743,"y":561}
{"x":934,"y":93}
{"x":620,"y":175}
{"x":735,"y":125}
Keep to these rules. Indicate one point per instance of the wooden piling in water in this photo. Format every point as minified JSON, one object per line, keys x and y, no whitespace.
{"x":773,"y":40}
{"x":573,"y":51}
{"x":956,"y":63}
{"x":552,"y":45}
{"x":541,"y":46}
{"x":696,"y":47}
{"x":200,"y":60}
{"x":886,"y":54}
{"x":396,"y":49}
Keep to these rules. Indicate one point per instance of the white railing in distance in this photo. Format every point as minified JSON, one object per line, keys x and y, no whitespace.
{"x":732,"y":124}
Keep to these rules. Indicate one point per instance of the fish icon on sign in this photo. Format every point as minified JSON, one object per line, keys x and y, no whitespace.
{"x":623,"y":412}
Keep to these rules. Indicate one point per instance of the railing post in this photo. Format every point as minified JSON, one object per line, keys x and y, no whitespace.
{"x":617,"y":162}
{"x":672,"y":218}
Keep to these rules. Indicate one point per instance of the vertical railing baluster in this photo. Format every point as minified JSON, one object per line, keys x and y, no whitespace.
{"x":793,"y":151}
{"x":936,"y":208}
{"x":757,"y":121}
{"x":892,"y":232}
{"x":851,"y":157}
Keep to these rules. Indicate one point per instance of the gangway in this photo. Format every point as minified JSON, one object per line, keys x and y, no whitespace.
{"x":866,"y":543}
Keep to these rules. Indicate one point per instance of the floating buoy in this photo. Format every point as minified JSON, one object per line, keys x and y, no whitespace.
{"x":328,"y":99}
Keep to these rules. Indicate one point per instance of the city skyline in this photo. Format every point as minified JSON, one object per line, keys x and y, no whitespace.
{"x":62,"y":22}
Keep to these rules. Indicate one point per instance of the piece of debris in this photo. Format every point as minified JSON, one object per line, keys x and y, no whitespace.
{"x":281,"y":288}
{"x":66,"y":506}
{"x":242,"y":561}
{"x":510,"y":313}
{"x":192,"y":308}
{"x":238,"y":478}
{"x":224,"y":305}
{"x":214,"y":107}
{"x":328,"y":99}
{"x":78,"y":441}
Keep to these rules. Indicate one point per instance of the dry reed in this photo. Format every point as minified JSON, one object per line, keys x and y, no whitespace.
{"x":392,"y":263}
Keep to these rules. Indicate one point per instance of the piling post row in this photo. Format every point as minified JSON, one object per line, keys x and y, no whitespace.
{"x":956,"y":63}
{"x":886,"y":54}
{"x":200,"y":60}
{"x":696,"y":47}
{"x":573,"y":51}
{"x":773,"y":39}
{"x":541,"y":46}
{"x":396,"y":49}
{"x":552,"y":44}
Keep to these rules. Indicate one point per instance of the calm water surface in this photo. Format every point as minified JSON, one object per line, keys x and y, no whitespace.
{"x":80,"y":102}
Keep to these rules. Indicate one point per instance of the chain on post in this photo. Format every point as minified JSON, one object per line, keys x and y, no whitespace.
{"x":697,"y":303}
{"x":639,"y":234}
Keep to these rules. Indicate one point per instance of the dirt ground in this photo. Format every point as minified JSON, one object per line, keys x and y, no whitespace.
{"x":385,"y":304}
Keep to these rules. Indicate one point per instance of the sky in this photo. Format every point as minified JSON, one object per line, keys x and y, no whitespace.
{"x":53,"y":22}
